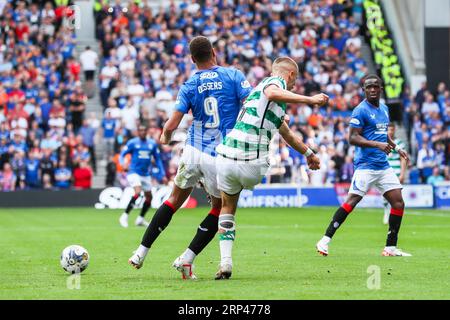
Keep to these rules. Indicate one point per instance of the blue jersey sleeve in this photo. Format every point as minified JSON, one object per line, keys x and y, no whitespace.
{"x":157,"y":156}
{"x":182,"y":103}
{"x":243,"y":87}
{"x":357,"y":120}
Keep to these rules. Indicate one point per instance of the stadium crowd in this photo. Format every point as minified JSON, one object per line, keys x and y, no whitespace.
{"x":44,"y":142}
{"x":144,"y":61}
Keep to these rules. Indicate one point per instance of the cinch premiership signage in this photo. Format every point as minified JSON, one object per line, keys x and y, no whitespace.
{"x":271,"y":196}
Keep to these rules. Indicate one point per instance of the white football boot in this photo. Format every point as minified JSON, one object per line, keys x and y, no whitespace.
{"x":123,"y":220}
{"x":322,"y":245}
{"x":140,"y":222}
{"x":224,"y":272}
{"x":394,"y":252}
{"x":186,"y":269}
{"x":136,"y":261}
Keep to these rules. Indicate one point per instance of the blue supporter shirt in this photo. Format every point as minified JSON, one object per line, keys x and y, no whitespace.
{"x":109,"y":126}
{"x":141,"y":157}
{"x":32,"y":171}
{"x":215,"y":97}
{"x":374,"y":123}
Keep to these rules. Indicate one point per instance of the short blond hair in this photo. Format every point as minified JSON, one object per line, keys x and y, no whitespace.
{"x":284,"y":64}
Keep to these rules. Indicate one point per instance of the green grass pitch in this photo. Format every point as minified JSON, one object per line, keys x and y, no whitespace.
{"x":274,"y":256}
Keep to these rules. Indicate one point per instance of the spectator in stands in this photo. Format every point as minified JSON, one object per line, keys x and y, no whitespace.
{"x":426,"y":161}
{"x":32,"y":175}
{"x":111,"y":171}
{"x":89,"y":61}
{"x":82,"y":175}
{"x":87,"y":133}
{"x":436,"y":177}
{"x":63,"y":175}
{"x":7,"y":178}
{"x":429,"y":106}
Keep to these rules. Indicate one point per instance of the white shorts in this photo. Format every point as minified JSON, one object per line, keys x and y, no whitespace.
{"x":383,"y":180}
{"x":233,"y":176}
{"x":135,"y":180}
{"x":197,"y":166}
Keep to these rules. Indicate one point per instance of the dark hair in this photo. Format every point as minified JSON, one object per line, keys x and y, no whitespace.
{"x":201,"y":49}
{"x":371,"y":76}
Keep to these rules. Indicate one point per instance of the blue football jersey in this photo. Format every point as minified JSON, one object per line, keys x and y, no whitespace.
{"x":374,"y":123}
{"x":142,"y":152}
{"x":215,"y":97}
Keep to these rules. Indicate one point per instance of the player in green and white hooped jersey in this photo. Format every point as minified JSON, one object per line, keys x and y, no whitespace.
{"x":397,"y":163}
{"x":242,"y":159}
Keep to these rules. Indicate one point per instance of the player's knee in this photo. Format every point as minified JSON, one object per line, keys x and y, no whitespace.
{"x":226,"y":222}
{"x":398,"y":204}
{"x":353,"y":200}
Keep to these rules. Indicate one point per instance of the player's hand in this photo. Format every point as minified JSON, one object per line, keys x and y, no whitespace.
{"x":163,"y":139}
{"x":385,"y":147}
{"x":313,"y":162}
{"x":404,"y":155}
{"x":319,"y":99}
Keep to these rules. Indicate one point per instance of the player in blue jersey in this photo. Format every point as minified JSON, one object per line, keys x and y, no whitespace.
{"x":369,"y":133}
{"x":143,"y":150}
{"x":214,"y":94}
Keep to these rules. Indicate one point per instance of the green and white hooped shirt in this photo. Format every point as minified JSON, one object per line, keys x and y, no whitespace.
{"x":255,"y":126}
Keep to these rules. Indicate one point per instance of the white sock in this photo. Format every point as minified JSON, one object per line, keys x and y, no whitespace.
{"x":188,"y":256}
{"x":226,"y":246}
{"x":227,"y":238}
{"x":142,"y":251}
{"x":139,"y":219}
{"x":326,"y":239}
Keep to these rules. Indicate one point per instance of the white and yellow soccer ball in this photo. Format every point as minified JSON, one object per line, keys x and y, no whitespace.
{"x":74,"y":259}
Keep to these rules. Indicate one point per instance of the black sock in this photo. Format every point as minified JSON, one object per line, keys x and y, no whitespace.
{"x":339,"y":217}
{"x":131,"y":203}
{"x":145,"y":208}
{"x":394,"y":227}
{"x":204,"y":235}
{"x":159,"y":222}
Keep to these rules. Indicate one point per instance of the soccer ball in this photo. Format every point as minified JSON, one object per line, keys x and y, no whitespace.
{"x":74,"y":259}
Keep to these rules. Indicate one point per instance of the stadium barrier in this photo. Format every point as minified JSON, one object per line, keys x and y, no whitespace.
{"x":442,"y":195}
{"x":275,"y":195}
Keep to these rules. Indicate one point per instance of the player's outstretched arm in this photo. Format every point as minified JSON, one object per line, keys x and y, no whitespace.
{"x":357,"y":139}
{"x":291,"y":139}
{"x":170,"y":126}
{"x":277,"y":94}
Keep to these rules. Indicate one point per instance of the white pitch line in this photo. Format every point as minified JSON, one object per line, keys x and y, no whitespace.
{"x":429,"y":214}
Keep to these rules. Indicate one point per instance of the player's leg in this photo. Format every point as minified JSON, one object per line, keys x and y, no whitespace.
{"x":391,"y":188}
{"x":134,"y":182}
{"x":205,"y":233}
{"x":387,"y":211}
{"x":147,"y":188}
{"x":358,"y":188}
{"x":186,"y":178}
{"x":338,"y":219}
{"x":140,"y":221}
{"x":159,"y":222}
{"x":394,"y":197}
{"x":227,"y":233}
